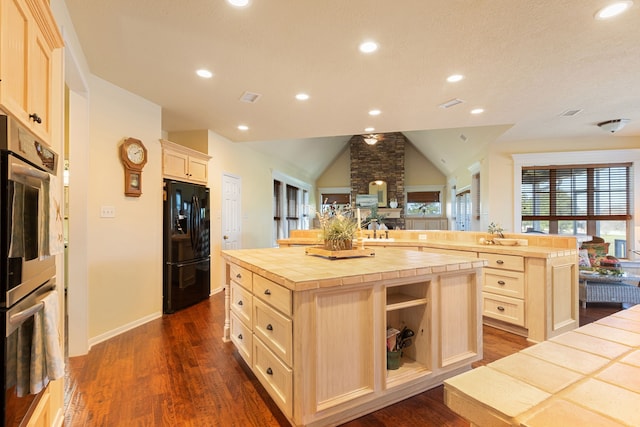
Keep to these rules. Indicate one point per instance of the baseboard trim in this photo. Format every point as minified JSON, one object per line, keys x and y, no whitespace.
{"x":124,"y":328}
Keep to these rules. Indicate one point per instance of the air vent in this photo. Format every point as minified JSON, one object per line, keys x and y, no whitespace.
{"x":250,"y":97}
{"x":570,"y":113}
{"x":451,"y":103}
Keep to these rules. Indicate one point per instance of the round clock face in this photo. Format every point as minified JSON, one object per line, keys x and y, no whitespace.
{"x":135,"y":153}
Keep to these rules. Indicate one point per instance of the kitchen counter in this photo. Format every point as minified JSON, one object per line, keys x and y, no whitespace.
{"x":584,"y":377}
{"x":313,"y":271}
{"x":314,"y":330}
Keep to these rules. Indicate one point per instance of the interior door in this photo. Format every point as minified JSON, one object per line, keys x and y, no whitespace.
{"x":231,"y":211}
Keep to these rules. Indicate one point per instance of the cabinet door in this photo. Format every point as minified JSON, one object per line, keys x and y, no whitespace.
{"x":198,"y":170}
{"x":26,"y":56}
{"x":39,"y":86}
{"x":14,"y":40}
{"x":175,"y":165}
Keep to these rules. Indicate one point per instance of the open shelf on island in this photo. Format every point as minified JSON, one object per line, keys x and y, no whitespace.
{"x":405,"y":296}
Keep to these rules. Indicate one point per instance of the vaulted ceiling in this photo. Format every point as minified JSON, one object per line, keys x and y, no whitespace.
{"x":524,"y":62}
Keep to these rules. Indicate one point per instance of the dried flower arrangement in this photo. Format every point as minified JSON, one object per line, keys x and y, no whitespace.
{"x":338,"y":228}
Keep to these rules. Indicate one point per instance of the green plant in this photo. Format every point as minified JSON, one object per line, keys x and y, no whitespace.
{"x":338,"y":229}
{"x":373,"y":215}
{"x":496,"y":229}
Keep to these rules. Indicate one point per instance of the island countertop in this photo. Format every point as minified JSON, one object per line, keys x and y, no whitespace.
{"x":293,"y":269}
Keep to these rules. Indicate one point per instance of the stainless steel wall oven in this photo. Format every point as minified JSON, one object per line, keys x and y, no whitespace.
{"x":27,"y":268}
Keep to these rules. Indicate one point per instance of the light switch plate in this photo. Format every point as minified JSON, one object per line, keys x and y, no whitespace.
{"x":108,"y":212}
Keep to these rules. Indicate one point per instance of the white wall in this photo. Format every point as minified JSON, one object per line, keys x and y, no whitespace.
{"x":125,"y":252}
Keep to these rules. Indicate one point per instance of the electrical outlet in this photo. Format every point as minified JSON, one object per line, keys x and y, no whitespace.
{"x":108,"y":212}
{"x":422,"y":237}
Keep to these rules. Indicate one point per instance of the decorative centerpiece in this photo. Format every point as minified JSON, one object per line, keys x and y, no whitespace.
{"x":339,"y":229}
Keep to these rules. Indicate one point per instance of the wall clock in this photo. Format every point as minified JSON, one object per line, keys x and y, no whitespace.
{"x":133,"y":154}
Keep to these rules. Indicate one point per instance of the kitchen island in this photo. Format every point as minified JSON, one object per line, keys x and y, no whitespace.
{"x":313,"y":330}
{"x":529,"y":289}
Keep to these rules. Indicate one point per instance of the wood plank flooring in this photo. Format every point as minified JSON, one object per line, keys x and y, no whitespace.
{"x":176,"y":371}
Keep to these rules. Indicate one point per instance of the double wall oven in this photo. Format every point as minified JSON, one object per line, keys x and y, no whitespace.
{"x":27,"y":268}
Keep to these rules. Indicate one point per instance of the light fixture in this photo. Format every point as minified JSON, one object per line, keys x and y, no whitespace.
{"x":477,"y":111}
{"x":238,"y":3}
{"x":613,"y":126}
{"x":455,"y":78}
{"x":205,"y":74}
{"x":371,"y":139}
{"x":614,"y":9}
{"x":368,"y":47}
{"x":302,"y":97}
{"x":369,"y":129}
{"x":374,"y":112}
{"x":243,"y":127}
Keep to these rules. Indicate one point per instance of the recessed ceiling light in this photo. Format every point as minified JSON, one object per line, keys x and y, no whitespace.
{"x":477,"y":111}
{"x":243,"y":127}
{"x":455,"y":78}
{"x":206,"y":74}
{"x":238,"y":3}
{"x":302,"y":97}
{"x":613,"y":9}
{"x":374,"y":112}
{"x":369,"y":129}
{"x":368,"y":47}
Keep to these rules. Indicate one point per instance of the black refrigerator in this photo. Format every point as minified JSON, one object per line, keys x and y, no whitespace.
{"x":187,"y":276}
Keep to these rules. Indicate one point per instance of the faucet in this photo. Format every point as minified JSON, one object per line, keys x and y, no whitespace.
{"x":386,"y":234}
{"x":374,"y":233}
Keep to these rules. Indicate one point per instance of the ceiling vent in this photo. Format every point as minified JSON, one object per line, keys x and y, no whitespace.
{"x":451,"y":103}
{"x":250,"y":97}
{"x":570,"y":113}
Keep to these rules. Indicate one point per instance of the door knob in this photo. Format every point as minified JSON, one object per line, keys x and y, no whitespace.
{"x":225,"y":237}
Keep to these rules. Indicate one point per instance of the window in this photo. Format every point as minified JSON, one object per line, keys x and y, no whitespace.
{"x":290,"y":206}
{"x":340,"y":200}
{"x":585,"y":199}
{"x":424,"y":203}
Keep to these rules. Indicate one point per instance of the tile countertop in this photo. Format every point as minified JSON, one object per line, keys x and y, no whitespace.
{"x":589,"y":376}
{"x":424,"y":245}
{"x":293,"y":269}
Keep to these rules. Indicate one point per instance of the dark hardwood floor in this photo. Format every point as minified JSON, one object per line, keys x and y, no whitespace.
{"x":176,"y":371}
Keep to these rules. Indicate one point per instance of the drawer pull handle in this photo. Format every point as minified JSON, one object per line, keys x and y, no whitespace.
{"x":269,"y":371}
{"x":500,"y":262}
{"x":238,"y":276}
{"x":500,"y":282}
{"x":240,"y":302}
{"x":500,"y":308}
{"x":269,"y":327}
{"x":240,"y":336}
{"x":267,"y":292}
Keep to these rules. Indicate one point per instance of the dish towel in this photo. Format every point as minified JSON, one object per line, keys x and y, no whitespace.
{"x":56,"y":235}
{"x":47,"y":362}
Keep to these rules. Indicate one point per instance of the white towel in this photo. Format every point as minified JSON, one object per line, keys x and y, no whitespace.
{"x":56,"y":235}
{"x":47,"y":362}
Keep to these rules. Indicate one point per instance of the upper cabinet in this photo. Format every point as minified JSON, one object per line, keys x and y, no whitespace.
{"x":28,"y":38}
{"x":185,"y":164}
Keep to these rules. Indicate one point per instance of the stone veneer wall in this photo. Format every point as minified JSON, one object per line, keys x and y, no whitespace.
{"x":384,"y":161}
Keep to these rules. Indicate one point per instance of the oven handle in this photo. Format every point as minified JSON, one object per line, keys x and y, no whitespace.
{"x":23,"y":315}
{"x":19,"y":169}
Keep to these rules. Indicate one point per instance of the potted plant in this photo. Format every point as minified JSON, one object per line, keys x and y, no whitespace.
{"x":338,"y":229}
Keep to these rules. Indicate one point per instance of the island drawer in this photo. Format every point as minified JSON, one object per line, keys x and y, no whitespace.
{"x":503,"y":262}
{"x":510,"y":310}
{"x":242,"y":337}
{"x":274,"y":375}
{"x":242,"y":276}
{"x":242,"y":303}
{"x":270,"y":292}
{"x":275,"y":330}
{"x":503,"y":282}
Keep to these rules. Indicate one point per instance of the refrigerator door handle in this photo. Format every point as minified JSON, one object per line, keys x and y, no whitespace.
{"x":188,"y":263}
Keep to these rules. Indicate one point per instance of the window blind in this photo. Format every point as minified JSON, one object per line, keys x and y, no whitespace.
{"x":423,"y":197}
{"x":599,"y":192}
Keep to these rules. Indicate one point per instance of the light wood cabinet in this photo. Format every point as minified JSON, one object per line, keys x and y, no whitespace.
{"x":426,"y":223}
{"x":41,"y":416}
{"x":184,"y":164}
{"x":28,"y":38}
{"x":319,"y":349}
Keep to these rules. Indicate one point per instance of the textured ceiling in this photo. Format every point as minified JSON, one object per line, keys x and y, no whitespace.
{"x":525,"y":63}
